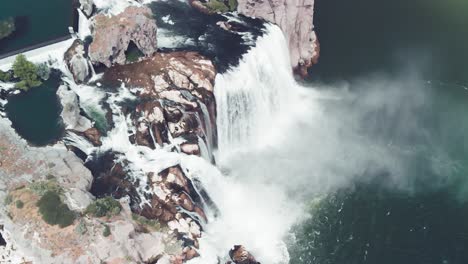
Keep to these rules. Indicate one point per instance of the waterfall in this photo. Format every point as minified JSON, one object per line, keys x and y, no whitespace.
{"x":255,"y":101}
{"x":251,"y":97}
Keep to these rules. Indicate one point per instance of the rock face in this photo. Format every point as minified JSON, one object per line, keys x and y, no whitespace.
{"x":77,"y":62}
{"x":295,"y":18}
{"x":112,"y":35}
{"x":178,"y":100}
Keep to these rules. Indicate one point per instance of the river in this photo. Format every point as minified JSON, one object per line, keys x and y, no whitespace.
{"x":404,"y":62}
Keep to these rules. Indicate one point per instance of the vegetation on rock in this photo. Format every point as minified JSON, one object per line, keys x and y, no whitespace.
{"x":222,"y":6}
{"x":151,"y":224}
{"x":7,"y":26}
{"x":106,"y":206}
{"x":54,"y":211}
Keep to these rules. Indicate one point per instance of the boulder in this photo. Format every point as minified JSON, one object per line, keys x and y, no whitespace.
{"x":112,"y":35}
{"x":77,"y":63}
{"x":71,"y":111}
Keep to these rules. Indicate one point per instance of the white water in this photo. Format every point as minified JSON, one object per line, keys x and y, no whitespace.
{"x":256,"y":99}
{"x":255,"y":103}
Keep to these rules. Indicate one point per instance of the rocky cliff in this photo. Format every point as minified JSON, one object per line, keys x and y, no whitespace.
{"x":295,"y":18}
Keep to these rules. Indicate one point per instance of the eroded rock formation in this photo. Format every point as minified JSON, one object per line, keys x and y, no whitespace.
{"x":295,"y":18}
{"x":177,"y":89}
{"x":113,"y":34}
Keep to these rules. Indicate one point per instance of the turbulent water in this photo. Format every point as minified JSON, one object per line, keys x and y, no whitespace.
{"x":306,"y":173}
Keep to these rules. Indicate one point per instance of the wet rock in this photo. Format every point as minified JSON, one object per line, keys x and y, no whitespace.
{"x":240,"y":255}
{"x":113,"y":35}
{"x":180,"y":86}
{"x":295,"y":18}
{"x":71,"y":111}
{"x":77,"y":62}
{"x":175,"y":203}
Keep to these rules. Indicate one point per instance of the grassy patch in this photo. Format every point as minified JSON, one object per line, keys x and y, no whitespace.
{"x":106,"y":206}
{"x":54,"y":211}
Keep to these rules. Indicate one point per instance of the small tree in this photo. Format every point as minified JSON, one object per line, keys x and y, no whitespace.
{"x":26,"y":71}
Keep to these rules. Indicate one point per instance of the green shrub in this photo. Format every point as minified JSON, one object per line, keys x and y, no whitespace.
{"x":7,"y":26}
{"x":217,"y":6}
{"x":106,"y":231}
{"x":54,"y":211}
{"x":6,"y":76}
{"x":154,"y":224}
{"x":19,"y":204}
{"x":26,"y":71}
{"x":232,"y":5}
{"x":106,"y":206}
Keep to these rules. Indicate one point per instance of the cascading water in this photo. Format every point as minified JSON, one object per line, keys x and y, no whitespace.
{"x":253,"y":98}
{"x":254,"y":103}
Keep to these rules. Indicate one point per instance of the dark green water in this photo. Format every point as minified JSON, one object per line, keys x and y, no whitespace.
{"x":35,"y":114}
{"x":36,"y":21}
{"x":422,"y":217}
{"x":362,"y":36}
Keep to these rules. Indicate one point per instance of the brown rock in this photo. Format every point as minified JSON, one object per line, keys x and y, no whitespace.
{"x":112,"y":35}
{"x":94,"y":136}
